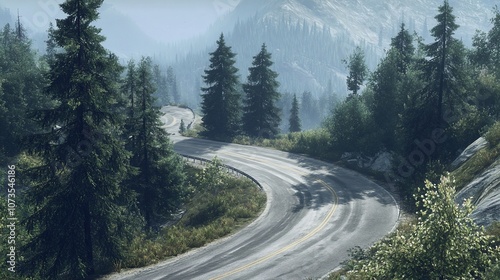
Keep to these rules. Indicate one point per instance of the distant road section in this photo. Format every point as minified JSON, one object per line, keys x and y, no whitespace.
{"x":315,"y":212}
{"x":172,"y":117}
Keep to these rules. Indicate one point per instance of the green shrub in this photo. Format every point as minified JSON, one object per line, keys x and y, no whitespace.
{"x":493,"y":135}
{"x":444,"y":243}
{"x":219,"y":205}
{"x":481,"y":160}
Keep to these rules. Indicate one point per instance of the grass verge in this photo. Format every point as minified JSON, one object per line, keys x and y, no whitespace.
{"x":220,"y":205}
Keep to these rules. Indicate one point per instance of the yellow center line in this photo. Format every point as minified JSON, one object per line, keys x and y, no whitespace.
{"x":293,"y":244}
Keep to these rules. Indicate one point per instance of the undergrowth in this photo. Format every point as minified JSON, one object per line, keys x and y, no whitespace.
{"x":481,"y":160}
{"x":219,"y":205}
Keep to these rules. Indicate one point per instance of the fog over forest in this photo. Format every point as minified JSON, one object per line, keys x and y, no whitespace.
{"x":309,"y":40}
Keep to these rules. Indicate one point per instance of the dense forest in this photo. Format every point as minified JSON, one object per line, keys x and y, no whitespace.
{"x":97,"y":168}
{"x":307,"y":57}
{"x":424,"y":103}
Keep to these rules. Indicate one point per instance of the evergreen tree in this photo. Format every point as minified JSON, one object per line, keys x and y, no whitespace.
{"x":294,"y":116}
{"x":285,"y":104}
{"x":328,"y":100}
{"x":221,"y":100}
{"x":444,"y":69}
{"x":486,"y":57}
{"x":486,"y":53}
{"x":182,"y":127}
{"x":261,"y":117}
{"x":3,"y":113}
{"x":76,"y":220}
{"x":21,"y":85}
{"x":129,"y":89}
{"x":348,"y":127}
{"x":172,"y":86}
{"x":309,"y":111}
{"x":160,"y":179}
{"x":494,"y":43}
{"x":161,"y":83}
{"x":357,"y":71}
{"x":403,"y":45}
{"x":386,"y":85}
{"x":51,"y":49}
{"x":20,"y":31}
{"x":386,"y":103}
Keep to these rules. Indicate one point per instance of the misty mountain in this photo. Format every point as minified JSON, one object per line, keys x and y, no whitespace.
{"x":367,"y":20}
{"x":5,"y":17}
{"x":309,"y":38}
{"x":123,"y":36}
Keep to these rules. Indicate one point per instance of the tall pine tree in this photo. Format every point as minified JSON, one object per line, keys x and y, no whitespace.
{"x":221,"y":106}
{"x":386,"y":104}
{"x":294,"y":122}
{"x":386,"y":84}
{"x":173,"y":90}
{"x":444,"y":69}
{"x":159,"y":183}
{"x":21,"y":82}
{"x":310,"y":114}
{"x":76,"y":220}
{"x":403,"y":45}
{"x":129,"y":90}
{"x":486,"y":57}
{"x":261,"y":117}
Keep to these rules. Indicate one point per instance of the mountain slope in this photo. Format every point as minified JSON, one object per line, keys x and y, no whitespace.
{"x":123,"y":36}
{"x":478,"y":173}
{"x":309,"y":38}
{"x":366,"y":20}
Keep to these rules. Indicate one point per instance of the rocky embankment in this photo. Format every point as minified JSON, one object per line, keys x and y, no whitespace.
{"x":484,"y":189}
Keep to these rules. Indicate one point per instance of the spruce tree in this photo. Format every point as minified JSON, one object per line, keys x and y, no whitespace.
{"x":21,"y":85}
{"x":403,"y":45}
{"x":161,"y":83}
{"x":309,"y":111}
{"x":76,"y":220}
{"x":357,"y":70}
{"x":172,"y":86}
{"x":51,"y":49}
{"x":160,"y":179}
{"x":261,"y":117}
{"x":182,"y":127}
{"x":494,"y":43}
{"x":444,"y":69}
{"x":129,"y":89}
{"x":294,"y":116}
{"x":221,"y":106}
{"x":386,"y":103}
{"x":486,"y":57}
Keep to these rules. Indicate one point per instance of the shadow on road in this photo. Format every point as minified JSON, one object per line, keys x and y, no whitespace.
{"x":198,"y":146}
{"x":349,"y":185}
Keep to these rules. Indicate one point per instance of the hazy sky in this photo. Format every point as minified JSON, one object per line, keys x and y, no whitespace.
{"x":179,"y":19}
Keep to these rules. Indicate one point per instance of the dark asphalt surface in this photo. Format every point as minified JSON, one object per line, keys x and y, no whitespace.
{"x":315,"y":212}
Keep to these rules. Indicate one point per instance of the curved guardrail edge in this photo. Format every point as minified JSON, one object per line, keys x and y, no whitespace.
{"x":227,"y":167}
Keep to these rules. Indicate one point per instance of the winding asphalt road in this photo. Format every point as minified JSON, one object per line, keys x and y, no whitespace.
{"x":315,"y":212}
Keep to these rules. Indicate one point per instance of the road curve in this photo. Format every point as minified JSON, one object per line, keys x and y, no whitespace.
{"x":315,"y":212}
